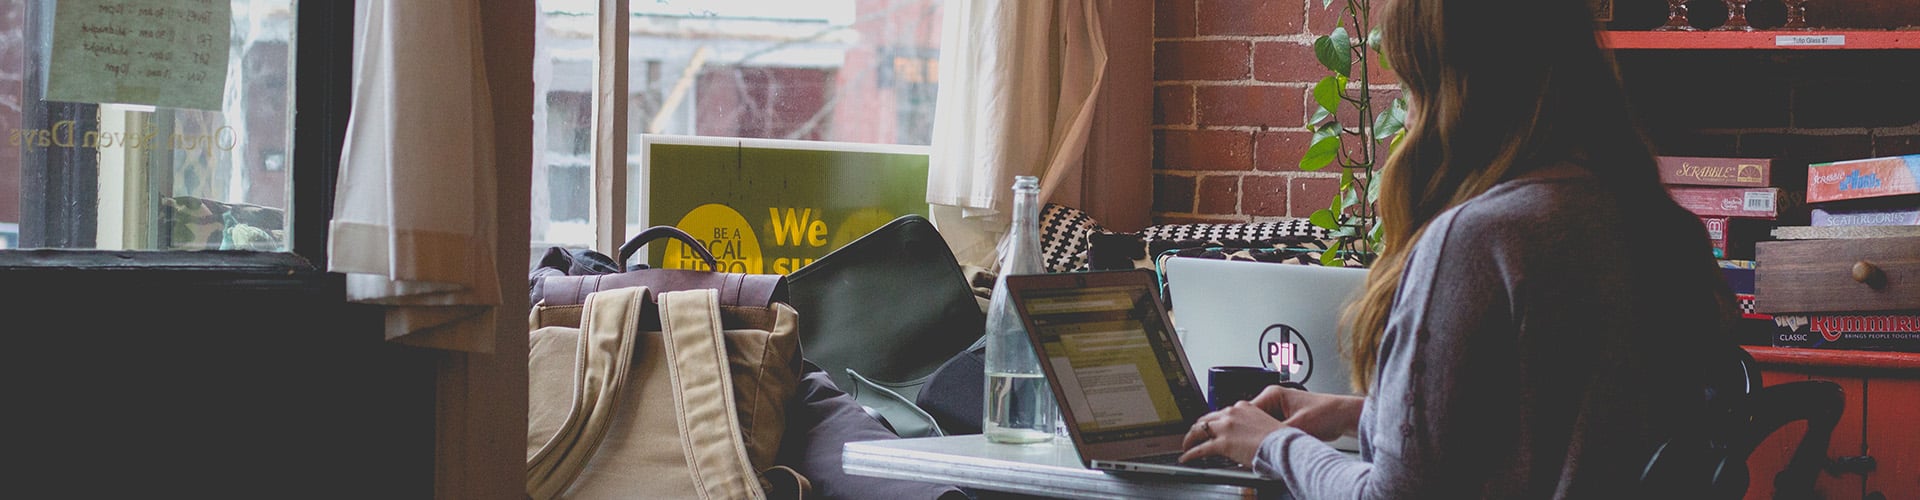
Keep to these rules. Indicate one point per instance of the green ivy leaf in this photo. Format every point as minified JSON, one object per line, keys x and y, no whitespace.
{"x":1327,"y":92}
{"x":1326,"y":3}
{"x":1319,"y":113}
{"x":1387,"y":124}
{"x":1325,"y":130}
{"x":1335,"y":52}
{"x":1322,"y":153}
{"x":1373,"y":187}
{"x":1324,"y":219}
{"x":1331,"y":257}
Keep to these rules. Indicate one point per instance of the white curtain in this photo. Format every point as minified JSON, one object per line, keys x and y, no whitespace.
{"x":414,"y":211}
{"x":1018,"y":83}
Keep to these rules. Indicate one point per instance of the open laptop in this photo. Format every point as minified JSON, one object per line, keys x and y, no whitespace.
{"x":1117,"y":371}
{"x":1281,"y":316}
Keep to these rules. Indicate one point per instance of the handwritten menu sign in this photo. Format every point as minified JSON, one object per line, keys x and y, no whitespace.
{"x":169,"y":53}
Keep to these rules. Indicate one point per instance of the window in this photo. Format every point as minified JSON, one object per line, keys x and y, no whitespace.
{"x":861,"y":71}
{"x":147,"y":125}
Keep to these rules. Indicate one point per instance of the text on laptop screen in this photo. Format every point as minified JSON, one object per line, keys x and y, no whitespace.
{"x":1115,"y":360}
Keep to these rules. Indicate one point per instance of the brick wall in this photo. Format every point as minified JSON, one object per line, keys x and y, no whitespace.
{"x":1231,"y":82}
{"x":1803,"y":105}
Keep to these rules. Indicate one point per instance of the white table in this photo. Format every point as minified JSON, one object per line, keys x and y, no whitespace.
{"x":1040,"y":469}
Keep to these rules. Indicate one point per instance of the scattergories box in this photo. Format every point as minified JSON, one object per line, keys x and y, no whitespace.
{"x":1868,"y":178}
{"x":1877,"y":331}
{"x":1909,"y":216}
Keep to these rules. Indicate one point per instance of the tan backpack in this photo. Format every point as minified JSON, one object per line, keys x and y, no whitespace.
{"x":683,"y":398}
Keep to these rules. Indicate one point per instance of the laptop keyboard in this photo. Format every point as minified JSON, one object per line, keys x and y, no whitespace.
{"x":1210,"y":462}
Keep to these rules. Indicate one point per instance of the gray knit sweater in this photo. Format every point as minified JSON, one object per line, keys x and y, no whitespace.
{"x":1520,"y":359}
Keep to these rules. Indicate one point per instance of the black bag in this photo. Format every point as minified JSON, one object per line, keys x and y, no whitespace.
{"x":882,"y":313}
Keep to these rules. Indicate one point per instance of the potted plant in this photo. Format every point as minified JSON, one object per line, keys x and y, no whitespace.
{"x":1353,"y":143}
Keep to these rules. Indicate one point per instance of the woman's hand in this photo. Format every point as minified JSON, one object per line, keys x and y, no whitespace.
{"x":1234,"y":432}
{"x":1323,"y":416}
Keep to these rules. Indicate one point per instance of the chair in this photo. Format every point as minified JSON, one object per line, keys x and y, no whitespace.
{"x":1712,"y":462}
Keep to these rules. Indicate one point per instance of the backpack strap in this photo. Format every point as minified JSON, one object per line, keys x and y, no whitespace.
{"x":696,"y":360}
{"x":609,"y":324}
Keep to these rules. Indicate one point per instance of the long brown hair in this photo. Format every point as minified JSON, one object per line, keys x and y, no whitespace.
{"x":1497,"y":89}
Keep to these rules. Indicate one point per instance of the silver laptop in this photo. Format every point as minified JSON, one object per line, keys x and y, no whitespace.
{"x":1123,"y":384}
{"x":1281,"y":316}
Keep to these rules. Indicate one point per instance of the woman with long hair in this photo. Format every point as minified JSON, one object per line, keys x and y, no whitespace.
{"x":1540,"y":316}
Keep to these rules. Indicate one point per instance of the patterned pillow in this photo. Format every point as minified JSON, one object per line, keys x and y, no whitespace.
{"x":1066,"y":234}
{"x":1070,"y":240}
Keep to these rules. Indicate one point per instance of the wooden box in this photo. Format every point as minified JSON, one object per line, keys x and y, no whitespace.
{"x":1837,"y":275}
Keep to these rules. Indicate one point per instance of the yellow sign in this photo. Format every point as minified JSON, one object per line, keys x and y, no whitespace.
{"x":724,"y":232}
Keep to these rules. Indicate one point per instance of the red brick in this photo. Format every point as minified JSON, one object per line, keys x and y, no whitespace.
{"x":1690,"y":143}
{"x":1219,"y":194}
{"x":1250,"y":106}
{"x":1379,"y":75}
{"x":1181,"y":219}
{"x":1264,"y":195}
{"x":1173,"y":105}
{"x":1203,"y":150}
{"x":1837,"y":103}
{"x":1311,"y":193}
{"x":1173,"y":18}
{"x":1350,"y":114}
{"x":1281,"y":150}
{"x":1202,"y":60}
{"x":1251,"y":17}
{"x":1896,"y":145}
{"x":1172,"y":193}
{"x":1320,"y":21}
{"x":1809,"y":148}
{"x":1294,"y":62}
{"x":1291,"y":62}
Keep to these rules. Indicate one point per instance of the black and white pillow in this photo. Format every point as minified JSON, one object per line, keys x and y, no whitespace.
{"x":1258,"y":231}
{"x":1065,"y":235}
{"x":1068,"y":242}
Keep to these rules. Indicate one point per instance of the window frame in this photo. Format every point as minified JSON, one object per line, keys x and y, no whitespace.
{"x":322,"y":76}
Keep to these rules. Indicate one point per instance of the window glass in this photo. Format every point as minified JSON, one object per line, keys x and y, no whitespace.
{"x":828,"y":70}
{"x":146,"y":124}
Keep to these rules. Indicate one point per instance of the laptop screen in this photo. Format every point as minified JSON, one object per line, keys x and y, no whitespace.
{"x":1117,"y":365}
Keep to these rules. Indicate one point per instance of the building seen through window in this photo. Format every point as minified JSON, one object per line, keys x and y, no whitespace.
{"x":862,"y":71}
{"x":145,"y":125}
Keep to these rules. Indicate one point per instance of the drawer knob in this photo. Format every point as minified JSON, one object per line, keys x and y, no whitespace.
{"x":1871,"y":275}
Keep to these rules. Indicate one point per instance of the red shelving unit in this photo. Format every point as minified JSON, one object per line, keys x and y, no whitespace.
{"x":1882,"y":391}
{"x":1771,"y":40}
{"x":1835,"y":358}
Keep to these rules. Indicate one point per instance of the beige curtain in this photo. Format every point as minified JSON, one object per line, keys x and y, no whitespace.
{"x":1019,"y":80}
{"x":414,"y":219}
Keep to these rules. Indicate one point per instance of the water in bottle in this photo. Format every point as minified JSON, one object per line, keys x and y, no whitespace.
{"x":1019,"y":405}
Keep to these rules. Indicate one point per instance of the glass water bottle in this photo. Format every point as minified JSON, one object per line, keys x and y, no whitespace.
{"x":1019,"y":405}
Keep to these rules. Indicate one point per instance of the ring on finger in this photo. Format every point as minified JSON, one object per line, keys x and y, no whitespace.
{"x":1207,"y":427}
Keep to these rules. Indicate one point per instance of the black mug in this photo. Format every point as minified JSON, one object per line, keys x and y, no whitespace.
{"x":1227,"y":385}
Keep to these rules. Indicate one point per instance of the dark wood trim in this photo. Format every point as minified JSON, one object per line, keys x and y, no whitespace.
{"x":237,"y":261}
{"x":323,"y":82}
{"x":59,"y":185}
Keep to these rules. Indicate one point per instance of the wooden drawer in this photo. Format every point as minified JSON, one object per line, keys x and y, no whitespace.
{"x":1868,"y":274}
